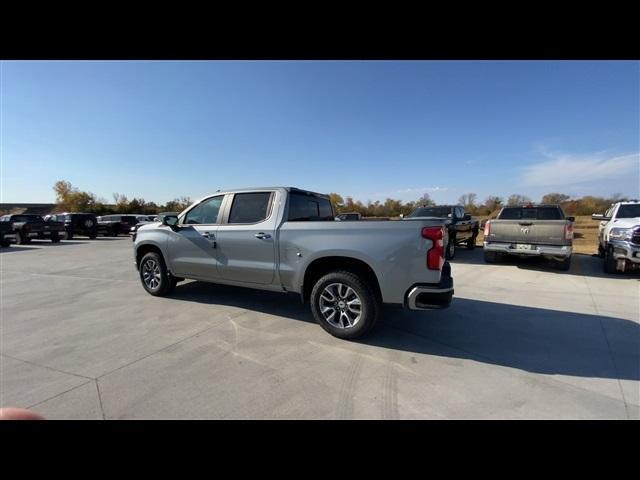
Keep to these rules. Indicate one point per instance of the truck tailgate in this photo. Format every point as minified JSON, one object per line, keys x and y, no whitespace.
{"x":537,"y":232}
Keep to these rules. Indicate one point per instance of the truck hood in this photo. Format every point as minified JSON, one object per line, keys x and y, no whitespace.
{"x":625,"y":222}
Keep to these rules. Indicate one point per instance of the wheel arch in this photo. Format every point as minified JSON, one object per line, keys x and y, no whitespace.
{"x":323,"y":265}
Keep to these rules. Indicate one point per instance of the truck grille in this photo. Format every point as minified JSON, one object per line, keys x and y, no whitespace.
{"x":635,"y":238}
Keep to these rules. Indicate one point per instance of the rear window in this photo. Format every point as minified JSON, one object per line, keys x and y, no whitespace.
{"x":307,"y":207}
{"x":629,"y":211}
{"x":531,"y":213}
{"x":27,"y":218}
{"x":128,"y":219}
{"x":440,"y":212}
{"x":249,"y":207}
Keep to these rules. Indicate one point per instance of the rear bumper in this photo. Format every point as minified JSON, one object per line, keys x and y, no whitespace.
{"x":540,"y":250}
{"x":625,"y":250}
{"x":430,"y":296}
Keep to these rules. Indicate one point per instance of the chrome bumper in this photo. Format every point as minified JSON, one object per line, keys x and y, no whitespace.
{"x":540,"y":250}
{"x":625,"y":250}
{"x":431,"y":296}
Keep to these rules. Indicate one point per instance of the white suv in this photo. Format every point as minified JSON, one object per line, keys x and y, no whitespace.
{"x":619,"y":236}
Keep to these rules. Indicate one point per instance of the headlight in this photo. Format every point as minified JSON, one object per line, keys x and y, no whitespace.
{"x":620,"y":234}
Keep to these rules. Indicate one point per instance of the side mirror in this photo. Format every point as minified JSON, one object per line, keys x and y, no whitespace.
{"x":467,"y":216}
{"x":170,"y":221}
{"x":600,"y":216}
{"x":571,"y":219}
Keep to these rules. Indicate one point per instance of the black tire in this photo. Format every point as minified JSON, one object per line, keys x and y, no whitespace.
{"x":600,"y":251}
{"x":165,"y":282}
{"x":471,"y":243}
{"x":5,"y":243}
{"x":610,"y":262}
{"x":450,"y":251}
{"x":93,"y":236}
{"x":55,"y":238}
{"x":490,"y":257}
{"x":564,"y":265}
{"x":369,"y":304}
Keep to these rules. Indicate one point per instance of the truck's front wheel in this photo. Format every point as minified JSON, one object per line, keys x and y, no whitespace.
{"x":344,"y":304}
{"x":610,"y":265}
{"x":154,"y":275}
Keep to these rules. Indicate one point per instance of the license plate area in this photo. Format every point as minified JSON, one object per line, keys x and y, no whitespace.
{"x":523,"y":246}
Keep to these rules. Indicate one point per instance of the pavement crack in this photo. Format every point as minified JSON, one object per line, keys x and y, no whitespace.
{"x":59,"y":394}
{"x":46,"y":366}
{"x":606,"y":338}
{"x":158,"y":351}
{"x":100,"y":399}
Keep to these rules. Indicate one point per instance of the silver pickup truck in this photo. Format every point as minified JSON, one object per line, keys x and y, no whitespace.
{"x":287,"y":240}
{"x":530,"y":230}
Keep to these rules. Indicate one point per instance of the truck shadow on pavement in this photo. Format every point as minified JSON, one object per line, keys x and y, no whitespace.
{"x":582,"y":264}
{"x":531,"y":339}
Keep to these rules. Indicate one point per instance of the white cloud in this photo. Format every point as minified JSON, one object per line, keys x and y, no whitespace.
{"x":579,"y":169}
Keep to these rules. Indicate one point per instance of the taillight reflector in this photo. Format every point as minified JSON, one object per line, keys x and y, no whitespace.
{"x":487,"y":228}
{"x":568,"y":231}
{"x":435,"y":255}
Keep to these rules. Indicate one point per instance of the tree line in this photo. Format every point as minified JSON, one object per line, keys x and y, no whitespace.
{"x":71,"y":199}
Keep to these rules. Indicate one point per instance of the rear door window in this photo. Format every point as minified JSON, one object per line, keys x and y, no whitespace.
{"x":250,"y":207}
{"x":305,"y":207}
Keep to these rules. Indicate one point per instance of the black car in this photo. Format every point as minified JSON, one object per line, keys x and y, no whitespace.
{"x":461,"y":227}
{"x":84,"y":224}
{"x":114,"y":225}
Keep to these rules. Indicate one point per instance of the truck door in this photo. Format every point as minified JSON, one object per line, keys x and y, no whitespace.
{"x":192,"y":247}
{"x":246,"y":238}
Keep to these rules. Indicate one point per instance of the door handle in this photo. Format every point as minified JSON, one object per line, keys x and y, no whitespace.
{"x":262,"y":236}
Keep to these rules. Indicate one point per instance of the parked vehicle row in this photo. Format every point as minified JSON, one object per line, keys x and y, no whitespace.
{"x":22,"y":228}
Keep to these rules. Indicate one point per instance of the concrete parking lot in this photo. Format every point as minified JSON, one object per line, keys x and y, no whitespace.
{"x":80,"y":339}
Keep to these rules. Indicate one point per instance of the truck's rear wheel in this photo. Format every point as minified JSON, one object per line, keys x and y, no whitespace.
{"x":344,"y":304}
{"x":490,"y":257}
{"x":471,"y":243}
{"x":609,"y":261}
{"x":451,"y":248}
{"x":564,"y":264}
{"x":21,"y":238}
{"x":154,"y":275}
{"x":5,"y":243}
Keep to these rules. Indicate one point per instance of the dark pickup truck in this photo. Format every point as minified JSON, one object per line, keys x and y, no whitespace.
{"x":114,"y":225}
{"x":6,"y":233}
{"x":461,"y":228}
{"x":27,"y":227}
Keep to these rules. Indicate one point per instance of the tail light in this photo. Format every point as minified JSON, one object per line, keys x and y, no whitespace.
{"x":435,"y":255}
{"x":568,"y":231}
{"x":487,"y":228}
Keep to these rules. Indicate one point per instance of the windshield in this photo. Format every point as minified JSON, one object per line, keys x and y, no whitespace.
{"x":532,"y":213}
{"x":441,"y":212}
{"x":629,"y":211}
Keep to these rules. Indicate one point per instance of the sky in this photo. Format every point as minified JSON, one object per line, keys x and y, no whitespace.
{"x":366,"y":129}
